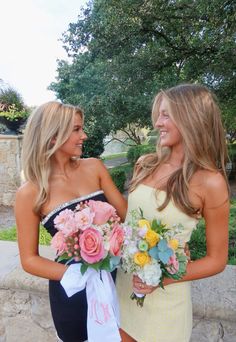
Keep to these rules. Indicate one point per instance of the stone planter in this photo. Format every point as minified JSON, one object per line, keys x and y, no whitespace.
{"x":14,"y":126}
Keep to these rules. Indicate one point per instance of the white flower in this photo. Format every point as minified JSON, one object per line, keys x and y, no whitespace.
{"x":132,"y":248}
{"x":150,"y":273}
{"x":142,"y":231}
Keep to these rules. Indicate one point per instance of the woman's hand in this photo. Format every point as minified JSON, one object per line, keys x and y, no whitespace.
{"x":142,"y":288}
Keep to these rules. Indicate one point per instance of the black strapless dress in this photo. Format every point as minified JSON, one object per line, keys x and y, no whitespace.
{"x":69,"y":314}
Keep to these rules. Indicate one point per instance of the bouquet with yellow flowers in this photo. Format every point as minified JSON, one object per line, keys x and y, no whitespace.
{"x":151,"y":251}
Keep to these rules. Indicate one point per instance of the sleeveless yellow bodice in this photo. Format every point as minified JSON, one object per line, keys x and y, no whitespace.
{"x":167,"y":314}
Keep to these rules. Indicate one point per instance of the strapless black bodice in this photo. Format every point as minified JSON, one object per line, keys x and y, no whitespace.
{"x":47,"y":221}
{"x":69,"y":314}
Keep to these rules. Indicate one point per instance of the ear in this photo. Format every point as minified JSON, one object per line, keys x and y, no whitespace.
{"x":53,"y":141}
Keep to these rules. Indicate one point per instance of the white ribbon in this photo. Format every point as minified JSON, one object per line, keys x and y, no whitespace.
{"x":103,"y":308}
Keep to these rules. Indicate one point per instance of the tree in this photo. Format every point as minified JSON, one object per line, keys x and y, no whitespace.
{"x":10,"y":96}
{"x":123,"y":52}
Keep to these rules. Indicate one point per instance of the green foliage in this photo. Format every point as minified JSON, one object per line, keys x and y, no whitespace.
{"x":93,"y":146}
{"x":124,"y":52}
{"x":119,"y":177}
{"x":8,"y":234}
{"x":9,"y":96}
{"x":232,"y":152}
{"x":232,"y":157}
{"x":232,"y":233}
{"x":13,"y":114}
{"x":135,"y":152}
{"x":197,"y":244}
{"x":11,"y":235}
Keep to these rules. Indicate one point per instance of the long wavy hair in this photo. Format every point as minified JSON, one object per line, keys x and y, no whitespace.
{"x":50,"y":120}
{"x":194,"y":110}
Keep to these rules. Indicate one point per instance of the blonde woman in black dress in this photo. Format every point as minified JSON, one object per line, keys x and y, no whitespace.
{"x":56,"y":179}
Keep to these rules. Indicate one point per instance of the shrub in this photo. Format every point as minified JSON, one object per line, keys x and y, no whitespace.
{"x":10,"y":96}
{"x":197,"y":244}
{"x":119,"y":177}
{"x":135,"y":152}
{"x":232,"y":157}
{"x":93,"y":147}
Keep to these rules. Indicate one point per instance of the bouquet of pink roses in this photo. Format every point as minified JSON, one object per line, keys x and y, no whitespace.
{"x":152,"y":251}
{"x":91,"y":234}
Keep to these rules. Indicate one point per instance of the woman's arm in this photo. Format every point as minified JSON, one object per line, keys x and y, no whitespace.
{"x":216,"y":214}
{"x":27,"y":223}
{"x":111,"y":192}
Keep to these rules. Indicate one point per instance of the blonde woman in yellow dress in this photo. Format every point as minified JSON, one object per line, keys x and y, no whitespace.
{"x":184,"y":181}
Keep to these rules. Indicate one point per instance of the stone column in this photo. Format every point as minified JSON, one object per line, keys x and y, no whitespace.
{"x":10,"y":167}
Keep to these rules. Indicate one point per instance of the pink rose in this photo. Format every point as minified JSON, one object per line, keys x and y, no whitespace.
{"x":173,"y":265}
{"x":116,"y":240}
{"x":91,"y":246}
{"x":65,"y":222}
{"x":84,"y":218}
{"x":102,"y":210}
{"x":58,"y":243}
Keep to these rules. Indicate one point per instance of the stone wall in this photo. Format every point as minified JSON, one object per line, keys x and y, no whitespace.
{"x":25,"y":312}
{"x":10,"y":167}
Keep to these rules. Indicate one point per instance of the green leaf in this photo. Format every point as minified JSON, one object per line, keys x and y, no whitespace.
{"x":64,"y":256}
{"x":84,"y":268}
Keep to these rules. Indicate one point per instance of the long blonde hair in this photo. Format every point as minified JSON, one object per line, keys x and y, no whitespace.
{"x":50,"y":120}
{"x":194,"y":110}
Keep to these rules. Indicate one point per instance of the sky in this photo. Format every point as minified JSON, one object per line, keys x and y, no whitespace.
{"x":29,"y":44}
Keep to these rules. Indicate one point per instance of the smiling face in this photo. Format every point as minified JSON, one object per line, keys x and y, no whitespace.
{"x":74,"y":144}
{"x":169,"y":134}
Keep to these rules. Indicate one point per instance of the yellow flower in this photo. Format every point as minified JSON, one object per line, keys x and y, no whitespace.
{"x":152,"y":238}
{"x":142,"y":223}
{"x":141,"y":258}
{"x":174,"y":244}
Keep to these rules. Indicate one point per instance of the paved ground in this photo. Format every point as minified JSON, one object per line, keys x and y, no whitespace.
{"x":115,"y":162}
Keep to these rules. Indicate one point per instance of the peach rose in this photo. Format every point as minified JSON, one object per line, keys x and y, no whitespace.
{"x":58,"y":243}
{"x":91,"y":246}
{"x":65,"y":222}
{"x":84,"y":218}
{"x":116,"y":240}
{"x":103,"y":211}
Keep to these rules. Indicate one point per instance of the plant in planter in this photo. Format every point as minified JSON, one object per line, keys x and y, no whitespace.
{"x":13,"y":119}
{"x":13,"y":113}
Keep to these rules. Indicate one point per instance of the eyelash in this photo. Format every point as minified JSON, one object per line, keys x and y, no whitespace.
{"x":77,"y":129}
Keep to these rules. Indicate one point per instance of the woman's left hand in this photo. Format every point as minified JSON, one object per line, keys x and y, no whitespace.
{"x":140,"y":287}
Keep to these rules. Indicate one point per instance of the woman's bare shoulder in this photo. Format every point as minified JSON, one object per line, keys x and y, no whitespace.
{"x":211,"y":186}
{"x":27,"y":190}
{"x":91,"y":163}
{"x":208,"y":179}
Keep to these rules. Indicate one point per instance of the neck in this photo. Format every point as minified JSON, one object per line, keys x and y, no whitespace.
{"x":176,"y":158}
{"x":62,"y":167}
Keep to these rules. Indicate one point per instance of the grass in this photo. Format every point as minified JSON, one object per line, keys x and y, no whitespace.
{"x":114,"y":156}
{"x":11,"y":235}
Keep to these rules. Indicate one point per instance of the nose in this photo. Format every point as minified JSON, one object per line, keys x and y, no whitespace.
{"x":158,"y":122}
{"x":84,"y":135}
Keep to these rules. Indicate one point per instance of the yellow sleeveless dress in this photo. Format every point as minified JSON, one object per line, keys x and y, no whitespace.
{"x":167,"y":314}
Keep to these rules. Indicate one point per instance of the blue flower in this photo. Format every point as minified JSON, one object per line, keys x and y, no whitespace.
{"x":161,"y":252}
